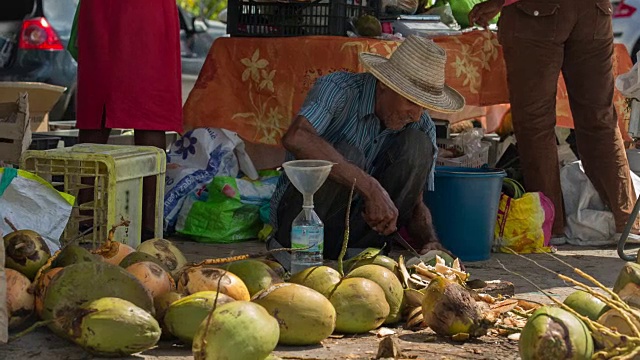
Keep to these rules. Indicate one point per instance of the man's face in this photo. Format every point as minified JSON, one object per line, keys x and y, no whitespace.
{"x":394,"y":110}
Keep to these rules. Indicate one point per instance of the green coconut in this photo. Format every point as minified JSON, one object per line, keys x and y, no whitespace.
{"x":627,"y":284}
{"x":368,"y":25}
{"x":360,"y":305}
{"x":113,"y":327}
{"x":389,"y":283}
{"x":449,"y":309}
{"x":87,"y":281}
{"x":553,"y":333}
{"x":137,"y":257}
{"x":240,"y":330}
{"x":26,"y":252}
{"x":380,"y":260}
{"x":184,"y":316}
{"x":276,"y":267}
{"x":586,"y":304}
{"x":322,"y":279}
{"x":161,"y":304}
{"x":166,"y":252}
{"x":305,"y":316}
{"x":73,"y":254}
{"x":256,"y":275}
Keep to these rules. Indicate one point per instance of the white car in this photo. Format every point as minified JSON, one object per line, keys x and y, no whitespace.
{"x":626,"y":24}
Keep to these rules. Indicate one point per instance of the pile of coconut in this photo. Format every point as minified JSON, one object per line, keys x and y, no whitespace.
{"x":117,"y":300}
{"x":589,"y":324}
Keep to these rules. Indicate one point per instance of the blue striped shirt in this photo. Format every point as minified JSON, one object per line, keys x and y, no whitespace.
{"x":340,"y":107}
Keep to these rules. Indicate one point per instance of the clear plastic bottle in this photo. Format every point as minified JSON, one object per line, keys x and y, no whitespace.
{"x":307,"y":230}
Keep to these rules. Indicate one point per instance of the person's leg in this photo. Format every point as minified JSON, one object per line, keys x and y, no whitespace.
{"x":157,"y":139}
{"x":533,"y":53}
{"x":588,"y":73}
{"x":330,"y":203}
{"x":402,"y":169}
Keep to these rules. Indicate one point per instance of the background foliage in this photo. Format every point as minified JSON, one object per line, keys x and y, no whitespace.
{"x":208,"y":9}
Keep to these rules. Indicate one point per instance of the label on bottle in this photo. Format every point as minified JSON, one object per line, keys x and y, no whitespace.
{"x":305,"y":236}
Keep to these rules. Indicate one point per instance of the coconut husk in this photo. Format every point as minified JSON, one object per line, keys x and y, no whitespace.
{"x":4,"y":316}
{"x":630,"y":273}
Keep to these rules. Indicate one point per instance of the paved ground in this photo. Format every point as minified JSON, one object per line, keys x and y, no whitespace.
{"x":603,"y":264}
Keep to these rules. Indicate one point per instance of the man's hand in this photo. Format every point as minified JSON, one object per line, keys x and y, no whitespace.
{"x":380,"y":212}
{"x":482,"y":13}
{"x":304,"y":143}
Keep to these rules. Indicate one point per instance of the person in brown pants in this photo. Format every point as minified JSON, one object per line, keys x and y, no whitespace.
{"x":541,"y":38}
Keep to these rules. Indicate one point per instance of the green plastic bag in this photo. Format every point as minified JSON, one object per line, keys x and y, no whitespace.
{"x":461,"y":10}
{"x":72,"y":47}
{"x":230,"y":211}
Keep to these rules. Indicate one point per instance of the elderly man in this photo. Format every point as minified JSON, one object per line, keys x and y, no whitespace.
{"x":374,"y":127}
{"x":541,"y":38}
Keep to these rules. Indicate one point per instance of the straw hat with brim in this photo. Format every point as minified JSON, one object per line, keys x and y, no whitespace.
{"x":416,"y":71}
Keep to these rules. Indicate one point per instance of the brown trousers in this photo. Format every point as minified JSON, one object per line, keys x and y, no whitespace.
{"x":541,"y":38}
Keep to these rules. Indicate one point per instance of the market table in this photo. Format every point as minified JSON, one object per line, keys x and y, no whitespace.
{"x":254,"y":86}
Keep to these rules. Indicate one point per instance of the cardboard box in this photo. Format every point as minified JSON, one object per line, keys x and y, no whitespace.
{"x":42,"y":98}
{"x":15,"y":129}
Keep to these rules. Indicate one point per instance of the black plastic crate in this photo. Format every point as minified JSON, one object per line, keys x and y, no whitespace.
{"x":41,"y":142}
{"x":280,"y":19}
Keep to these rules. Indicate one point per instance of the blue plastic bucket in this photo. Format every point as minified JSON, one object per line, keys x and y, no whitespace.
{"x":464,"y":207}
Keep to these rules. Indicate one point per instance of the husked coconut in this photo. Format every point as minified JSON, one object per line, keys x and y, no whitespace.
{"x":239,"y":330}
{"x":164,"y":250}
{"x":113,"y":327}
{"x":390,"y":284}
{"x":208,"y":278}
{"x":305,"y":316}
{"x":555,"y":334}
{"x":256,"y":275}
{"x":154,"y":278}
{"x":322,"y":279}
{"x":20,"y":300}
{"x":184,"y":316}
{"x":26,"y":251}
{"x":360,"y":305}
{"x":87,"y":281}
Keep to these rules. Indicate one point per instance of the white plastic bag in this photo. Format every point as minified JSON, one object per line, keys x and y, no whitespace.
{"x":589,"y":221}
{"x":30,"y":202}
{"x":629,"y":83}
{"x":195,"y":159}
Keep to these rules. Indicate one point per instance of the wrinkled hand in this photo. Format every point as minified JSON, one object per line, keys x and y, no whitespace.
{"x":380,"y":212}
{"x":482,"y":13}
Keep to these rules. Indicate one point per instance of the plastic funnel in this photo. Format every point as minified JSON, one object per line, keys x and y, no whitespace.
{"x":307,"y":175}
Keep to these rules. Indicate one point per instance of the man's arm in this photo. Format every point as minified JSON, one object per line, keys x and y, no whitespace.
{"x":483,"y":12}
{"x":303,"y":142}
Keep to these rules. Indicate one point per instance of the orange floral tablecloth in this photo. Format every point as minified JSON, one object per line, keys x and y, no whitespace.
{"x":254,"y":86}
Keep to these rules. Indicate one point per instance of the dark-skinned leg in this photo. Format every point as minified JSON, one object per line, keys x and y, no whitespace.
{"x":91,"y":136}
